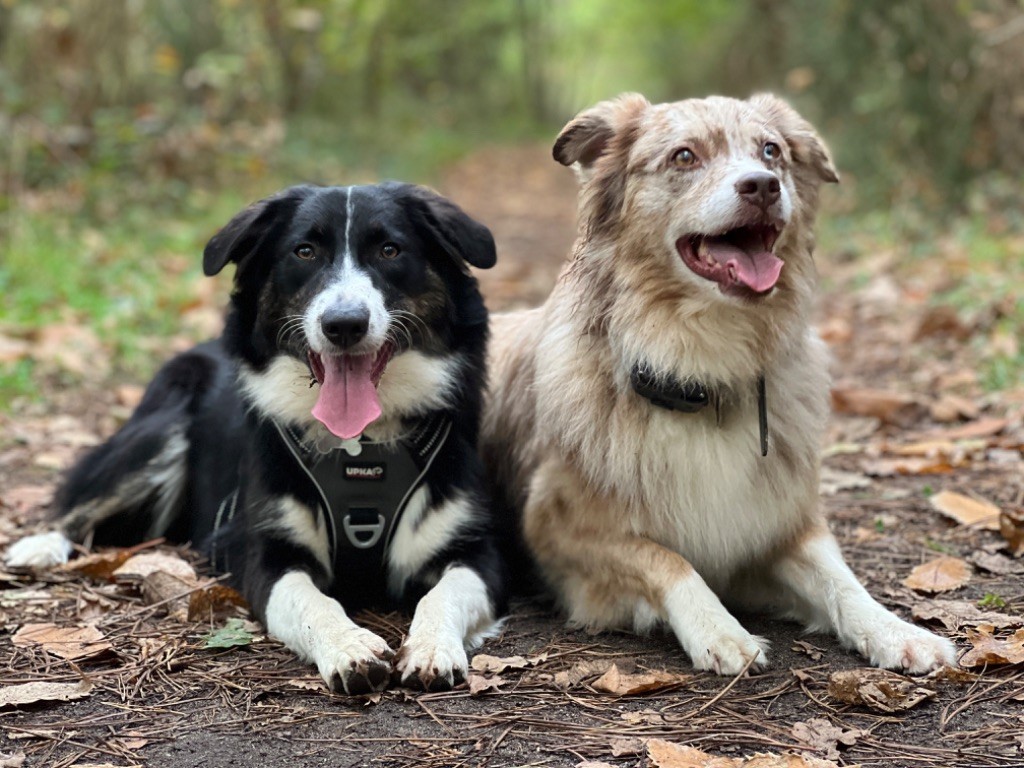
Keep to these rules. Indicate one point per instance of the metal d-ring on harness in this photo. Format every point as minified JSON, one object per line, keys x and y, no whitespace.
{"x":363,"y":496}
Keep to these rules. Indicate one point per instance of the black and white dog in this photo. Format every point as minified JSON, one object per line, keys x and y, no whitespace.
{"x":324,"y":449}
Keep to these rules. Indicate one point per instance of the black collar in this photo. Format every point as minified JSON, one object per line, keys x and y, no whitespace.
{"x":666,"y":391}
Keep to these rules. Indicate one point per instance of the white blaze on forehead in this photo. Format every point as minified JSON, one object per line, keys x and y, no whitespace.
{"x":350,"y":286}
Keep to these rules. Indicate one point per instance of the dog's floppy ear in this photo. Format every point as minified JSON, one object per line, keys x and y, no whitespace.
{"x":463,"y":238}
{"x":590,"y":134}
{"x":244,"y":233}
{"x":807,"y":147}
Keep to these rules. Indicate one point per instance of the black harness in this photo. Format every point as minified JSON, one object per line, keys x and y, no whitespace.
{"x":666,"y":391}
{"x":363,"y":488}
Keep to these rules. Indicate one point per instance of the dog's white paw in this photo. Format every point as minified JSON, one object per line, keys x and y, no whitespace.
{"x":729,"y":652}
{"x":433,"y":662}
{"x":354,"y":660}
{"x":895,"y":644}
{"x":41,"y":550}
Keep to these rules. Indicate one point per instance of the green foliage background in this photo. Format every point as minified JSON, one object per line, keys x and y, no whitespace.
{"x":130,"y":129}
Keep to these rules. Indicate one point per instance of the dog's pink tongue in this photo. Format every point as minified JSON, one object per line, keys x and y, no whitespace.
{"x":756,"y":268}
{"x":348,"y":400}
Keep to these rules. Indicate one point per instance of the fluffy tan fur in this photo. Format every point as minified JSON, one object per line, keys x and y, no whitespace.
{"x":637,"y":515}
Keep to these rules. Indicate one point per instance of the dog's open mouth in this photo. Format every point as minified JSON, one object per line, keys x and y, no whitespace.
{"x":348,"y":401}
{"x":741,"y":260}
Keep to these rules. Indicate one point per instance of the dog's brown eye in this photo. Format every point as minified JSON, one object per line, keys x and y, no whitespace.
{"x":305,"y":251}
{"x":771,"y":151}
{"x":684,"y":158}
{"x":389,"y":250}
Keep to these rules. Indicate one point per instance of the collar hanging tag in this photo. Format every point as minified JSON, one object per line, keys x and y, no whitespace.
{"x":762,"y":415}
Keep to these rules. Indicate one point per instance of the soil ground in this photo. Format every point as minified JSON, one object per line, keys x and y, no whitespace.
{"x":160,"y":699}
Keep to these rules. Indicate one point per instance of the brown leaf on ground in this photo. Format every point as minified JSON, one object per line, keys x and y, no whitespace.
{"x":895,"y":408}
{"x":493,"y":664}
{"x":832,"y":481}
{"x":993,"y":562}
{"x":478,"y":684}
{"x":966,"y":510}
{"x":942,"y":320}
{"x":953,"y":675}
{"x":214,"y":601}
{"x":73,"y":347}
{"x":71,"y":643}
{"x":24,"y":498}
{"x":626,"y":745}
{"x":824,"y":737}
{"x":940,"y":575}
{"x":138,"y":567}
{"x":907,"y":465}
{"x":953,"y":408}
{"x":619,"y":683}
{"x":1011,"y":526}
{"x":666,"y":754}
{"x":99,"y":565}
{"x":980,"y":428}
{"x":954,"y":614}
{"x":579,"y":672}
{"x":163,"y":587}
{"x":877,"y":689}
{"x":989,"y":649}
{"x":33,"y":693}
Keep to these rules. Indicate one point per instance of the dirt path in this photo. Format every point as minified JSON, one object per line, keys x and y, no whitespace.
{"x":156,"y":697}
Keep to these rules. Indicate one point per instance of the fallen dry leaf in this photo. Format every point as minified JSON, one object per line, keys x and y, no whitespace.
{"x":980,"y":428}
{"x":896,"y":408}
{"x":832,"y":481}
{"x":99,"y":565}
{"x":953,"y":408}
{"x":140,"y":566}
{"x":13,"y":760}
{"x":665,"y":754}
{"x":824,"y":737}
{"x":907,"y":465}
{"x":24,"y":498}
{"x":32,"y":693}
{"x":619,"y":683}
{"x":1011,"y":526}
{"x":993,"y":562}
{"x":644,"y":717}
{"x":626,"y":745}
{"x":942,"y":320}
{"x":954,"y":614}
{"x":989,"y":649}
{"x":71,"y":643}
{"x":494,"y":664}
{"x":163,"y":587}
{"x":877,"y":689}
{"x":214,"y":601}
{"x":940,"y":575}
{"x":965,"y":510}
{"x":953,"y":675}
{"x":478,"y":684}
{"x":579,"y":672}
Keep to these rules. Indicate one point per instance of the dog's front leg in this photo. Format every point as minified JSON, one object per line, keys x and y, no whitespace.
{"x":317,"y":629}
{"x":815,"y":572}
{"x":453,"y":616}
{"x":608,"y":575}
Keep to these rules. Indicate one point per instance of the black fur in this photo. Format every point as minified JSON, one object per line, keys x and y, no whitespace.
{"x":196,"y":437}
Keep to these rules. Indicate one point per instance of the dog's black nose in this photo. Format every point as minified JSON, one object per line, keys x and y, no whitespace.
{"x":760,"y":189}
{"x":345,"y":327}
